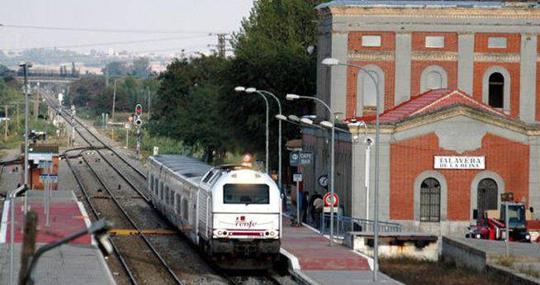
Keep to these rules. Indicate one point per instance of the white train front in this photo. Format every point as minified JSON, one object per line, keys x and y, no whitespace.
{"x":232,"y":212}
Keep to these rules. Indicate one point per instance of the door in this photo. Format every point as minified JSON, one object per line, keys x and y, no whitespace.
{"x":487,"y":196}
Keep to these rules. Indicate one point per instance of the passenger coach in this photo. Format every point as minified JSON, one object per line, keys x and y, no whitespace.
{"x":232,"y":212}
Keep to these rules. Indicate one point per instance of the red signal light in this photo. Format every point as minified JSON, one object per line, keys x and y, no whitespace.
{"x":138,"y":109}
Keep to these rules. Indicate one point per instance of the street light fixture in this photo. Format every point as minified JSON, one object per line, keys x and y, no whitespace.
{"x":306,"y":121}
{"x":243,"y":89}
{"x":264,"y":92}
{"x":334,"y":62}
{"x":25,"y":67}
{"x":291,"y":97}
{"x":294,"y":118}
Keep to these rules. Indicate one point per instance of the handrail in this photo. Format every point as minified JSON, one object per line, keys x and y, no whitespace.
{"x":348,"y":224}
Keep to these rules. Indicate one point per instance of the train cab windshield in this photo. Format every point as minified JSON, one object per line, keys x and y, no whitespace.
{"x":246,"y":194}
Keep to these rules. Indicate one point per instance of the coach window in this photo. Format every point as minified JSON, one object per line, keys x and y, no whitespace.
{"x":185,"y":210}
{"x":430,"y":200}
{"x":178,"y":202}
{"x":161,"y":190}
{"x":167,"y":195}
{"x":151,"y":183}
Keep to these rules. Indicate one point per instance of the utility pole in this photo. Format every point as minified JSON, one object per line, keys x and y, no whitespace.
{"x":36,"y":103}
{"x":149,"y":101}
{"x":6,"y":119}
{"x":221,"y":45}
{"x":17,"y":116}
{"x":25,"y":67}
{"x":113,"y":100}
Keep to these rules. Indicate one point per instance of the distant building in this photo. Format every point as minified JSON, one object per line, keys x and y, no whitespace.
{"x":447,"y":152}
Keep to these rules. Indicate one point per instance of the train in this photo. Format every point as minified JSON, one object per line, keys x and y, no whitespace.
{"x":231,"y":212}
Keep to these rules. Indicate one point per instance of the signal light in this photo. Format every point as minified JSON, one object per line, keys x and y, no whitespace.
{"x":138,"y":109}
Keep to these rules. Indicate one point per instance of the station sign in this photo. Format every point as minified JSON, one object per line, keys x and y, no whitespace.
{"x":300,"y":158}
{"x":297,"y":177}
{"x":44,"y":164}
{"x":48,"y":178}
{"x":36,"y":156}
{"x":459,"y":162}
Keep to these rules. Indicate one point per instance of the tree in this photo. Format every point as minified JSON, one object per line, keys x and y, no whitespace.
{"x":116,"y":68}
{"x":271,"y":53}
{"x":141,"y":67}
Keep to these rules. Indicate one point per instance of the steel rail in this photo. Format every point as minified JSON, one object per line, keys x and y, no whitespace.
{"x":66,"y":116}
{"x":126,"y":179}
{"x":121,"y":258}
{"x":133,"y":224}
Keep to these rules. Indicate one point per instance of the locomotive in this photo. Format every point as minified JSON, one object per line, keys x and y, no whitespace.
{"x":231,"y":212}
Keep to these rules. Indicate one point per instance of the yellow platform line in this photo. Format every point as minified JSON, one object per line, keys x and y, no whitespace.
{"x":129,"y":232}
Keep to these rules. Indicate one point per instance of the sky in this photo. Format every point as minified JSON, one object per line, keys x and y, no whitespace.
{"x":160,"y":26}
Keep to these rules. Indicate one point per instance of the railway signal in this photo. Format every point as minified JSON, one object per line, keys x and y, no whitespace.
{"x":138,"y":109}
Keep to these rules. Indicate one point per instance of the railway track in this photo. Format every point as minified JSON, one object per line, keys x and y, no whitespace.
{"x":118,"y":202}
{"x":136,"y":267}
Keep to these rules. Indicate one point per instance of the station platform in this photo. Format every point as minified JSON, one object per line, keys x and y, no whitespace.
{"x":315,"y":262}
{"x":79,"y":262}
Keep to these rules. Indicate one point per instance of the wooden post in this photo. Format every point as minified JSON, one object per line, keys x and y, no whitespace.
{"x":29,"y":244}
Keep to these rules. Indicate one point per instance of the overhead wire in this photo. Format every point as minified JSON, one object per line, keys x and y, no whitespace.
{"x":100,"y":30}
{"x":115,"y":43}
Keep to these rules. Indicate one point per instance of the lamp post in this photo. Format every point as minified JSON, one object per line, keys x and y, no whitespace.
{"x":263,"y":92}
{"x":333,"y":62}
{"x":25,"y":67}
{"x":243,"y":89}
{"x":291,"y":97}
{"x":356,"y":125}
{"x":113,"y":100}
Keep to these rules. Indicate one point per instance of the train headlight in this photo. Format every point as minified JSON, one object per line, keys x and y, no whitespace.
{"x":478,"y":236}
{"x":527,"y":236}
{"x":272,"y":233}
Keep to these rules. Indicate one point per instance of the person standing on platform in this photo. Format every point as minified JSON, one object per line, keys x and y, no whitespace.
{"x":304,"y":205}
{"x":317,"y":210}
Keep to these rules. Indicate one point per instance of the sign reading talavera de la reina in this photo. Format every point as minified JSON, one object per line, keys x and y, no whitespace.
{"x":459,"y":162}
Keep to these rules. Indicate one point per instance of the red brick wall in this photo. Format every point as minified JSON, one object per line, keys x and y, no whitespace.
{"x":538,"y":88}
{"x":388,"y":68}
{"x":418,"y":66}
{"x":388,"y":42}
{"x":419,"y":41}
{"x":513,"y":42}
{"x":513,"y":69}
{"x":507,"y":158}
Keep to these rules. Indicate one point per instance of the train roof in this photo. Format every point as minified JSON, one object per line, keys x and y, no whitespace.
{"x":187,"y":167}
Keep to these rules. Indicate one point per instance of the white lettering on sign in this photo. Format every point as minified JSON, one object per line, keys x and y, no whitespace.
{"x":459,"y":162}
{"x":243,"y":223}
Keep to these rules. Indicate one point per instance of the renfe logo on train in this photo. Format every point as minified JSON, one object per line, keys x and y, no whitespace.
{"x":459,"y":162}
{"x":241,"y":222}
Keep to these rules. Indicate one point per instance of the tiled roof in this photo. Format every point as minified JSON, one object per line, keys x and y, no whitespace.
{"x":429,"y":102}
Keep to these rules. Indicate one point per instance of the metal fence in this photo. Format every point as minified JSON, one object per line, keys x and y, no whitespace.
{"x":344,"y":224}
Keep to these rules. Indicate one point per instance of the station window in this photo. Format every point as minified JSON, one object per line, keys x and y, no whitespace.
{"x":496,"y":90}
{"x":371,"y":41}
{"x":430,"y":200}
{"x":435,"y":42}
{"x":496,"y":42}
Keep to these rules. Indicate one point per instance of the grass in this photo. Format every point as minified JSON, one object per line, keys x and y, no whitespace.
{"x":529,"y":270}
{"x":424,"y":272}
{"x":507,"y":261}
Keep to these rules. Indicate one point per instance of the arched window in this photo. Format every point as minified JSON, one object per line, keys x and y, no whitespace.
{"x":430,"y":200}
{"x":366,"y":88}
{"x":487,"y":195}
{"x":496,"y":90}
{"x":433,"y":77}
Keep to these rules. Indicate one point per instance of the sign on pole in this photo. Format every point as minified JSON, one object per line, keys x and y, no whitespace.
{"x":300,"y":158}
{"x":297,"y":177}
{"x":329,"y":200}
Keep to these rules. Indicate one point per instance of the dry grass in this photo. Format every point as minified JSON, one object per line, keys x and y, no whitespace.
{"x":529,"y":270}
{"x":507,"y":261}
{"x":423,"y":272}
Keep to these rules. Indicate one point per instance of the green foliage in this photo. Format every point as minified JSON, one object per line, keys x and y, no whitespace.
{"x":116,"y":68}
{"x":271,"y":53}
{"x":186,"y":105}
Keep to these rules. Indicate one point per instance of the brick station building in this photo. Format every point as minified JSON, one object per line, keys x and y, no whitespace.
{"x":460,"y":105}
